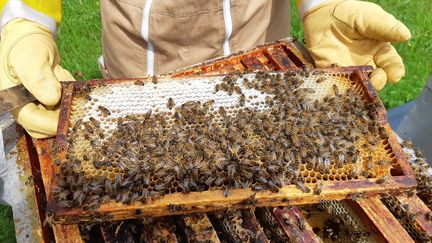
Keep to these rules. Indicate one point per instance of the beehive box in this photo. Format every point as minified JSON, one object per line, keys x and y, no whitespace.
{"x":327,"y":221}
{"x":336,"y":185}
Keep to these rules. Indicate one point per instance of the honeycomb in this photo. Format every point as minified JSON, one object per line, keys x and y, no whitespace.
{"x":406,"y":219}
{"x":198,"y":228}
{"x":99,"y":111}
{"x":272,"y":228}
{"x":232,"y":225}
{"x":335,"y":221}
{"x":128,"y":98}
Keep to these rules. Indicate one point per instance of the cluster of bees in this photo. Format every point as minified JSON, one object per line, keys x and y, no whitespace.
{"x":421,"y":170}
{"x":407,"y":217}
{"x":198,"y":146}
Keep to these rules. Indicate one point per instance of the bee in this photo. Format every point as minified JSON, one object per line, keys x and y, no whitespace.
{"x":139,"y":82}
{"x":154,"y":80}
{"x":246,"y":83}
{"x":320,"y":79}
{"x":301,"y":186}
{"x":411,"y":192}
{"x":217,"y":88}
{"x":318,"y":189}
{"x":228,"y":89}
{"x":237,"y":89}
{"x":365,"y":173}
{"x":428,"y":216}
{"x":301,"y":222}
{"x":77,"y":124}
{"x":87,"y":97}
{"x":101,"y":135}
{"x":104,"y":110}
{"x":336,"y":90}
{"x":242,"y":100}
{"x":95,"y":122}
{"x":406,"y":207}
{"x":226,"y":192}
{"x":382,"y":181}
{"x":412,"y":216}
{"x":88,"y":127}
{"x":170,"y":103}
{"x":65,"y":203}
{"x":49,"y":218}
{"x":222,"y":111}
{"x":356,"y":197}
{"x":418,"y":152}
{"x":369,"y":165}
{"x":208,"y":104}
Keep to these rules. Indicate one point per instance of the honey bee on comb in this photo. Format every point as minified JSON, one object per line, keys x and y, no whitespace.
{"x":104,"y":110}
{"x":195,"y":146}
{"x":170,"y":103}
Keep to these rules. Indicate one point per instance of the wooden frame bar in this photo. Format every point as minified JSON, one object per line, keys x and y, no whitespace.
{"x":384,"y":220}
{"x":68,"y":233}
{"x":294,"y":224}
{"x":417,"y":206}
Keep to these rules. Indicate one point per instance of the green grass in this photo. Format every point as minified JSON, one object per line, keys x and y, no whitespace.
{"x":416,"y":53}
{"x":7,"y":231}
{"x":79,"y":40}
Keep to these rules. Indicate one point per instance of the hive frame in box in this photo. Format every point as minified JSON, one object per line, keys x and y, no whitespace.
{"x":215,"y":200}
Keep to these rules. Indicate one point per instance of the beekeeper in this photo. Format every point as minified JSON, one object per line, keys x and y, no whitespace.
{"x":153,"y":37}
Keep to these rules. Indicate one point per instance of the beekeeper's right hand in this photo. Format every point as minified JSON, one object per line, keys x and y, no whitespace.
{"x":29,"y":56}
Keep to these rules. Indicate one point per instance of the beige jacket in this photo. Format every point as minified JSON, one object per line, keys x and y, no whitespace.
{"x":145,"y":37}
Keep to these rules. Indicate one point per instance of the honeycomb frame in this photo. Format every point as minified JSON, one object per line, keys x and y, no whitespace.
{"x":257,"y":59}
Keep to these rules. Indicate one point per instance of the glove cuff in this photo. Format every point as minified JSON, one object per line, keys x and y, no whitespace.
{"x":18,"y":9}
{"x":306,"y":7}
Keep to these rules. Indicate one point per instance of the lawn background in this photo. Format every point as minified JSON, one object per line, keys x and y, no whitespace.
{"x":79,"y":40}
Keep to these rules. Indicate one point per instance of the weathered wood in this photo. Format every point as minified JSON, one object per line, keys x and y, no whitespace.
{"x":159,"y":230}
{"x":215,"y":200}
{"x":32,"y":188}
{"x":279,"y":58}
{"x":67,"y":233}
{"x":384,"y":220}
{"x":198,"y":228}
{"x":251,"y":223}
{"x":417,"y":206}
{"x":295,"y":225}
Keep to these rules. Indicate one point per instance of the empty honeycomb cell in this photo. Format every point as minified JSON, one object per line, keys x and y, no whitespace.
{"x":337,"y":177}
{"x":331,"y":177}
{"x":301,"y":167}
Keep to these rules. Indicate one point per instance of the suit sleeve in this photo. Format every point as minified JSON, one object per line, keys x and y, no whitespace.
{"x":44,"y":12}
{"x":304,"y":5}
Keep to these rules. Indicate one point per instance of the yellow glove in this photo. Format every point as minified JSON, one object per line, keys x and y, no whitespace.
{"x":29,"y":56}
{"x":348,"y":32}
